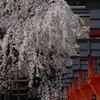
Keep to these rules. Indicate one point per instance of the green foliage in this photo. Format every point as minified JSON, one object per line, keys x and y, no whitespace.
{"x":5,"y":3}
{"x":2,"y":33}
{"x":51,"y":76}
{"x":79,"y":2}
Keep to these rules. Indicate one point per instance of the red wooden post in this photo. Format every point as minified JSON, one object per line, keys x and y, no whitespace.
{"x":94,"y":80}
{"x":84,"y":87}
{"x":67,"y":94}
{"x":71,"y":93}
{"x":76,"y":92}
{"x":73,"y":86}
